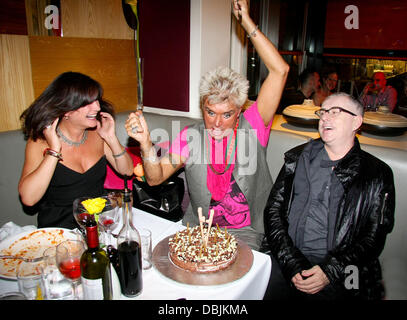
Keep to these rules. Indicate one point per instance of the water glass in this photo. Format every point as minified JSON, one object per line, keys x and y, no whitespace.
{"x":29,"y":278}
{"x":12,"y":296}
{"x":57,"y":287}
{"x":146,"y":245}
{"x":68,"y":255}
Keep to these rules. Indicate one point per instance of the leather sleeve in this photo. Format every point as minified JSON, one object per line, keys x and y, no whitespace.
{"x":375,"y":209}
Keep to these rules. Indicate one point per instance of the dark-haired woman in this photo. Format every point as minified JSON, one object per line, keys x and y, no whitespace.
{"x":70,"y":132}
{"x":328,"y":85}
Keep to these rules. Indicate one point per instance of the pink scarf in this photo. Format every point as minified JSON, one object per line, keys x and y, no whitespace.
{"x":218,"y":184}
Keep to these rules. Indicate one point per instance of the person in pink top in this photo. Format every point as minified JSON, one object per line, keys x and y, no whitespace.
{"x":221,"y":175}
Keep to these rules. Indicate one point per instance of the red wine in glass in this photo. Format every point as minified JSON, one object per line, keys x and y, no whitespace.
{"x":70,"y":268}
{"x":107,"y":222}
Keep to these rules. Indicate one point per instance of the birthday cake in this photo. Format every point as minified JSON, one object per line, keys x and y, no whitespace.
{"x":202,"y":249}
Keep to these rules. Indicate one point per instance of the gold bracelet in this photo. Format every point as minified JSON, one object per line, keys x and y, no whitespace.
{"x":253,"y":33}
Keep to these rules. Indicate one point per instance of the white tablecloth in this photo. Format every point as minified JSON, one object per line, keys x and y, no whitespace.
{"x":156,"y":286}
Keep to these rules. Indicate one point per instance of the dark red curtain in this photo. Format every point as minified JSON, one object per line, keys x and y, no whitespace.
{"x":164,"y":46}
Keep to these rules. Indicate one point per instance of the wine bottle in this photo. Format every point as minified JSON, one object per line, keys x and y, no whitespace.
{"x":95,"y":268}
{"x":129,"y":251}
{"x":113,"y":256}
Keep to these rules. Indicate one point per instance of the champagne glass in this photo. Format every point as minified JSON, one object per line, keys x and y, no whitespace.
{"x":68,"y":257}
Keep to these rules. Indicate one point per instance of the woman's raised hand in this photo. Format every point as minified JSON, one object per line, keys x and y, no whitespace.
{"x":50,"y":134}
{"x":136,"y":127}
{"x":106,"y":127}
{"x":240,"y":8}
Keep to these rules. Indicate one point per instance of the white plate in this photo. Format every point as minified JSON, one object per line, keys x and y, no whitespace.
{"x":30,"y":244}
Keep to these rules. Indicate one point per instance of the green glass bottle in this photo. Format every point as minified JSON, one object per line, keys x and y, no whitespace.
{"x":95,"y":268}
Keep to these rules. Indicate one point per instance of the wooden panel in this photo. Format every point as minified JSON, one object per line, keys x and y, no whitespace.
{"x":94,"y":19}
{"x":12,"y":17}
{"x":16,"y":89}
{"x":111,"y":62}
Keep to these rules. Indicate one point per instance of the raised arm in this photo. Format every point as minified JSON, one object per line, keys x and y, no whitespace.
{"x":272,"y":88}
{"x":38,"y":169}
{"x":114,"y":151}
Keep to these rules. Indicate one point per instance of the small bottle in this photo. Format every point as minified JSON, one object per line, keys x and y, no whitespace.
{"x":129,"y":251}
{"x":95,"y":268}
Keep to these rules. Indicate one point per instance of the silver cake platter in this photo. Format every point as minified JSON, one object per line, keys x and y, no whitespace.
{"x":163,"y":263}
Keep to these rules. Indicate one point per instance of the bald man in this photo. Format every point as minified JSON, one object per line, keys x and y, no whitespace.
{"x":378,"y":94}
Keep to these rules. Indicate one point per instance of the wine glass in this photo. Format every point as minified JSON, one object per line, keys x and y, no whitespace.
{"x":57,"y":286}
{"x":109,"y":220}
{"x":82,"y":216}
{"x":110,"y":209}
{"x":68,"y":258}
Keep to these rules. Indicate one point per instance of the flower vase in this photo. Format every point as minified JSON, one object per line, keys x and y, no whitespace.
{"x":140,"y":76}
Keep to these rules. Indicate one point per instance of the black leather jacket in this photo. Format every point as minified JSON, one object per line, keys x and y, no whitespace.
{"x":365,"y":216}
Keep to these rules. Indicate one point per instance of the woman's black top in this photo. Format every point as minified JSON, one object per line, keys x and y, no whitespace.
{"x":66,"y":185}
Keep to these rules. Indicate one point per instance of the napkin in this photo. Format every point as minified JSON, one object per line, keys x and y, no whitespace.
{"x":10,"y":228}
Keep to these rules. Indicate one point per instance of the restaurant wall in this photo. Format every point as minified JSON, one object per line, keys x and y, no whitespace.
{"x":16,"y":88}
{"x":210,"y":46}
{"x":95,"y":40}
{"x":108,"y":40}
{"x":373,"y":24}
{"x":164,"y":47}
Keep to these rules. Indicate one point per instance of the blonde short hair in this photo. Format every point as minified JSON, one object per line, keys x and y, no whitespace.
{"x":222,"y":84}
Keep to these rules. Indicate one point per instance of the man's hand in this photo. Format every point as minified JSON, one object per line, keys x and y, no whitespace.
{"x":310,"y":281}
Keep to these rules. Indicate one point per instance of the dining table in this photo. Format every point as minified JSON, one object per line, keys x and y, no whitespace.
{"x":158,"y":286}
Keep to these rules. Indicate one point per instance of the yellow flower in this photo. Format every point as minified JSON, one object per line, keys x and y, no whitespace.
{"x":95,"y":205}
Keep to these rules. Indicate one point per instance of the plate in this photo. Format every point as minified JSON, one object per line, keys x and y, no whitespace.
{"x":235,"y":271}
{"x":382,"y":130}
{"x":303,"y":115}
{"x":30,"y":244}
{"x":384,"y":123}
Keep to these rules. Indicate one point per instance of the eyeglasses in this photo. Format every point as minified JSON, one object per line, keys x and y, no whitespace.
{"x":333,"y":112}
